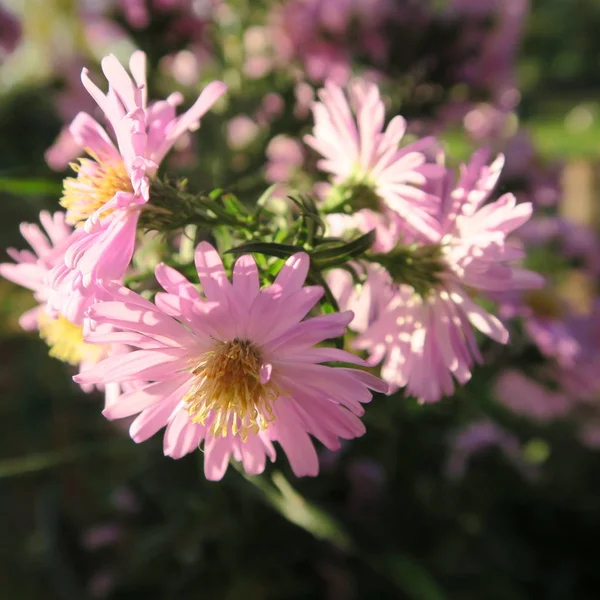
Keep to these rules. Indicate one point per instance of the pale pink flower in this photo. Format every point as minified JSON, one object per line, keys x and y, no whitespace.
{"x":325,"y":35}
{"x":478,"y":437}
{"x":425,"y":337}
{"x":271,"y":108}
{"x":31,"y":270}
{"x":136,"y":13}
{"x":284,"y":156}
{"x":236,"y":368}
{"x":527,"y":397}
{"x":366,"y":301}
{"x":241,"y":132}
{"x":112,"y":185}
{"x":349,"y":133}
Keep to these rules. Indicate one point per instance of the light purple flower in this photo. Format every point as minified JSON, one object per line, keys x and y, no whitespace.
{"x":112,"y":185}
{"x":349,"y":133}
{"x":527,"y":397}
{"x":424,"y":334}
{"x":236,"y":368}
{"x":31,"y":270}
{"x":478,"y":437}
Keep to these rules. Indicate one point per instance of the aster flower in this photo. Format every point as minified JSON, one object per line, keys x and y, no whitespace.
{"x":111,"y":185}
{"x":236,"y":368}
{"x":478,"y":437}
{"x":527,"y":397}
{"x":366,"y":160}
{"x":424,"y":334}
{"x":30,"y":270}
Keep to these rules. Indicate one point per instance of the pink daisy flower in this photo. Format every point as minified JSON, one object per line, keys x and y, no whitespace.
{"x":349,"y":133}
{"x":110,"y":187}
{"x":30,"y":270}
{"x":236,"y":369}
{"x":477,"y":437}
{"x":424,"y":334}
{"x":529,"y":398}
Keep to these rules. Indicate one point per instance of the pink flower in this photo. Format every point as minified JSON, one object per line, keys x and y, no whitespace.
{"x":325,"y":35}
{"x":30,"y":270}
{"x":367,"y":303}
{"x":111,"y":186}
{"x":241,"y":132}
{"x":284,"y":156}
{"x":236,"y":368}
{"x":527,"y":397}
{"x":359,"y":153}
{"x":424,"y":333}
{"x":478,"y":437}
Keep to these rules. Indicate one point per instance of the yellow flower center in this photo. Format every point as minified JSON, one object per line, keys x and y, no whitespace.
{"x":66,"y":340}
{"x":96,"y":183}
{"x":227,"y":384}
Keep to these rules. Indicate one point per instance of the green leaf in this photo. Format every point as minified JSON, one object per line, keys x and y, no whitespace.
{"x":341,"y":252}
{"x":267,"y":248}
{"x":30,"y":187}
{"x":266,"y":195}
{"x":233,"y":206}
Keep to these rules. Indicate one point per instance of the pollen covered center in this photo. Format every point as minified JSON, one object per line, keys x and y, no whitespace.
{"x":66,"y":340}
{"x":96,"y":183}
{"x":227,"y":385}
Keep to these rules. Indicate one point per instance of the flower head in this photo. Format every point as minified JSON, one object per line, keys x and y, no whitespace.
{"x":366,"y":161}
{"x":31,"y":270}
{"x":424,"y":333}
{"x":31,"y":267}
{"x":236,"y":367}
{"x":111,"y":185}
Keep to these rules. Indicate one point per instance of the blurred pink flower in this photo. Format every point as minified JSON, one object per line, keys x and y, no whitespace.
{"x":236,"y":368}
{"x":284,"y":156}
{"x":534,"y":179}
{"x":478,"y":437}
{"x":529,"y":398}
{"x":324,"y":36}
{"x":241,"y":131}
{"x":271,"y":108}
{"x":31,"y":270}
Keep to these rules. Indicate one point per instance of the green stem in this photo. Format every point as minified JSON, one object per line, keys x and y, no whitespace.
{"x":280,"y":494}
{"x":401,"y":571}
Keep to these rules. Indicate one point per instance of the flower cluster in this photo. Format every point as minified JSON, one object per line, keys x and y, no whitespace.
{"x":235,"y":354}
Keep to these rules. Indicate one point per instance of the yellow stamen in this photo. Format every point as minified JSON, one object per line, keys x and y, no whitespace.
{"x":227,"y":384}
{"x":96,"y":183}
{"x":66,"y":340}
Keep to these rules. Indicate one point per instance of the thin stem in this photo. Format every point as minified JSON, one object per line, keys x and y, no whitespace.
{"x":280,"y":495}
